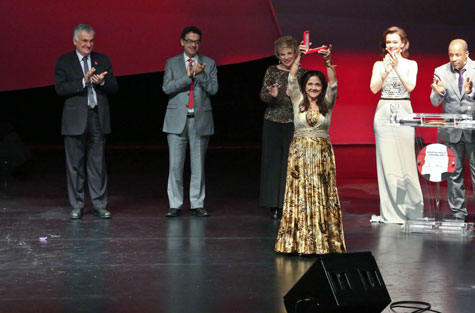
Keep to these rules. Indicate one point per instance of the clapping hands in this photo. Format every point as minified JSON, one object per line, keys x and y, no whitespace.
{"x":98,"y":78}
{"x":438,"y":86}
{"x":90,"y":77}
{"x":194,"y":68}
{"x":468,"y":86}
{"x":390,"y":61}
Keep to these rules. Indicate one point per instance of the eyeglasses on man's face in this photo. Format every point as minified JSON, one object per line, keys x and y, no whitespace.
{"x":189,"y":41}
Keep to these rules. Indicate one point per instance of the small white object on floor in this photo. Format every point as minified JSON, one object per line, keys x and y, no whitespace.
{"x":376,"y":219}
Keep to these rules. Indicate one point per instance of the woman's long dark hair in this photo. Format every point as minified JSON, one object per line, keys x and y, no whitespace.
{"x":322,"y":105}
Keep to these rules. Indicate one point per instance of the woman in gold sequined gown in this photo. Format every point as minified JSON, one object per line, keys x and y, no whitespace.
{"x":311,"y":221}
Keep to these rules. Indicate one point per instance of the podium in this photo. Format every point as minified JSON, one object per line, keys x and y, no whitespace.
{"x":433,"y":120}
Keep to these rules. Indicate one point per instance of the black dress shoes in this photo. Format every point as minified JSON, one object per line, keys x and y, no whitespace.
{"x":102,"y":213}
{"x":76,"y":214}
{"x":173,"y":212}
{"x":200,"y":212}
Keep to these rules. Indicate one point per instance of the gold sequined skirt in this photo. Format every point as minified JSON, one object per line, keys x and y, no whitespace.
{"x":311,"y":221}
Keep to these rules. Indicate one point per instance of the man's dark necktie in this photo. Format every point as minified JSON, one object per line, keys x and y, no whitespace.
{"x":461,"y":78}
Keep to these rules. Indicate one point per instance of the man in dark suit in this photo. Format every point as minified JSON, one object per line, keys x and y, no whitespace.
{"x":85,"y":79}
{"x":453,"y":87}
{"x":190,"y":79}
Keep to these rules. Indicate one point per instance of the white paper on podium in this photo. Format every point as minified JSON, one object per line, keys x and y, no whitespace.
{"x":436,"y":162}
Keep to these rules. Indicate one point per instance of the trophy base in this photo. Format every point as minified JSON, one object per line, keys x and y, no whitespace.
{"x":444,"y":227}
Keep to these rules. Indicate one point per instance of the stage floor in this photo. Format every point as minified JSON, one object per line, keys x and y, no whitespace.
{"x":141,"y":261}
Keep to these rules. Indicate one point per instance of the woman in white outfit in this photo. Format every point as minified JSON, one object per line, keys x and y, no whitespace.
{"x":395,"y":76}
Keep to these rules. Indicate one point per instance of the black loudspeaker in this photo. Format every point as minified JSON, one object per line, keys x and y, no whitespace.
{"x":13,"y":153}
{"x":339,"y":283}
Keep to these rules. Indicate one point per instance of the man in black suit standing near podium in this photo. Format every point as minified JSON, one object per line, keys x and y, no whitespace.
{"x":85,"y":79}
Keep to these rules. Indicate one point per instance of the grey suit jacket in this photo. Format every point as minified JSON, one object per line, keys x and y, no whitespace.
{"x":68,"y":83}
{"x":176,"y":84}
{"x":454,"y":101}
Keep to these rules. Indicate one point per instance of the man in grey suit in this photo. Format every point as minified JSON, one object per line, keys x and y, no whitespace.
{"x":85,"y":79}
{"x":189,"y":81}
{"x":453,"y":87}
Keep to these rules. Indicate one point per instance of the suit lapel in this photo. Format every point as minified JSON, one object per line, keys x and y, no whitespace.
{"x":75,"y":64}
{"x":180,"y":65}
{"x":94,"y":63}
{"x":453,"y":82}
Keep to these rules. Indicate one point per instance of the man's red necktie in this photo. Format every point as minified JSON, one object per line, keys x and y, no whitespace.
{"x":190,"y":99}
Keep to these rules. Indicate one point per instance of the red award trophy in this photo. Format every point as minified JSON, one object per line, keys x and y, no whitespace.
{"x":306,"y":42}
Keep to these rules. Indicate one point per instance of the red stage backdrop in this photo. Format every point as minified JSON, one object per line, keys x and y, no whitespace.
{"x":354,"y":28}
{"x":352,"y":118}
{"x":139,"y":35}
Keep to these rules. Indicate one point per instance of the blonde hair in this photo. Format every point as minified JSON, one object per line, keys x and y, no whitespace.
{"x":285,"y":42}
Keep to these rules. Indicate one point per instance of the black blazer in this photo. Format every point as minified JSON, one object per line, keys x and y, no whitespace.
{"x":68,"y":83}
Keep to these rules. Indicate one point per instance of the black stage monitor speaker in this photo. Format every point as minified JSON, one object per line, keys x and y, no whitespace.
{"x":339,"y":283}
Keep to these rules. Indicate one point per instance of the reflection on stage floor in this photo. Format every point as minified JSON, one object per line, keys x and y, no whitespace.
{"x":141,"y":261}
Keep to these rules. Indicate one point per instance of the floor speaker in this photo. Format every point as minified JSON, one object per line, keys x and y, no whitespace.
{"x":339,"y":283}
{"x":13,"y":153}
